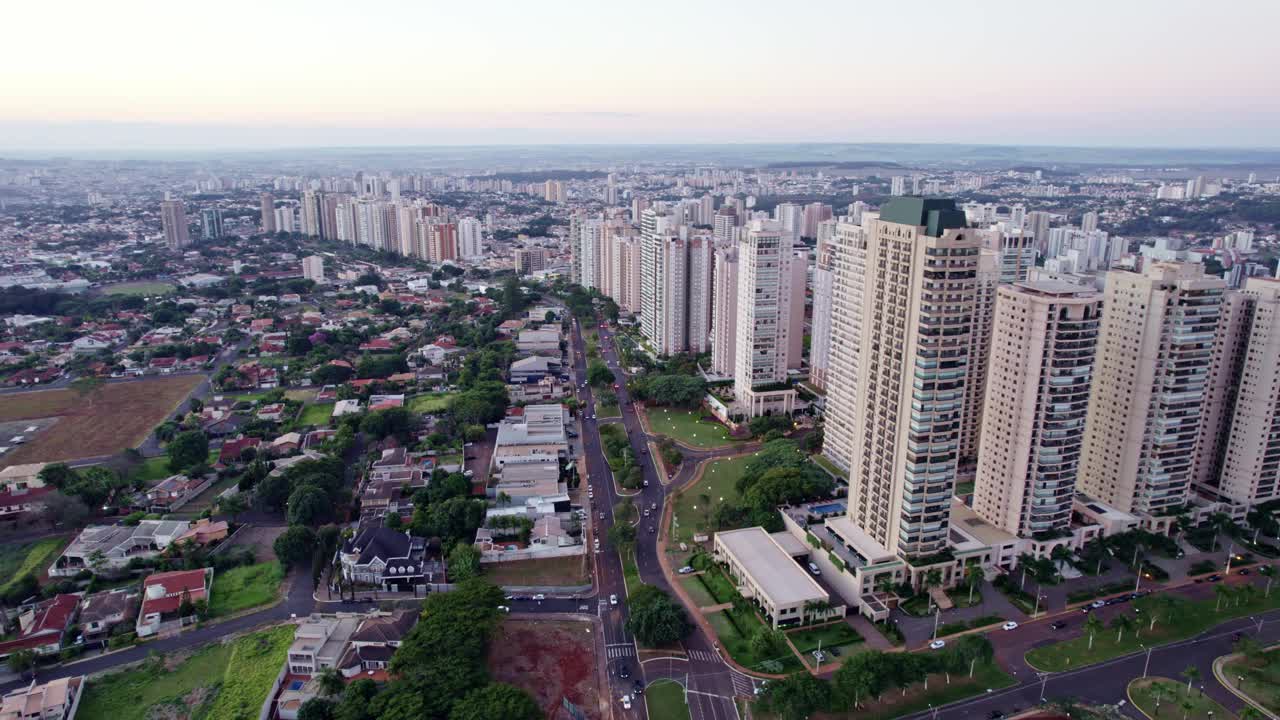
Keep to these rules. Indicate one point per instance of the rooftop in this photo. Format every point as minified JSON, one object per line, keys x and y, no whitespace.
{"x":771,"y":567}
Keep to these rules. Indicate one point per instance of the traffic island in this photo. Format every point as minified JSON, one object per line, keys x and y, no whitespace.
{"x":1158,"y":697}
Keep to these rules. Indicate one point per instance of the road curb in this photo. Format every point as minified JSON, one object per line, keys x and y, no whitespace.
{"x":1225,"y":682}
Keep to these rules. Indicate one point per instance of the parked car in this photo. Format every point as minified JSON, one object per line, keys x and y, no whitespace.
{"x":937,"y":644}
{"x":685,"y":570}
{"x":613,"y":599}
{"x":1098,"y":604}
{"x":1214,"y":578}
{"x":1011,"y":625}
{"x":814,"y":569}
{"x":1058,"y":624}
{"x":624,"y":672}
{"x":504,"y":608}
{"x":539,"y":597}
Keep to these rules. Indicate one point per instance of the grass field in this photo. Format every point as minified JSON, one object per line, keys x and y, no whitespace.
{"x":114,"y":417}
{"x":431,"y":403}
{"x":318,"y":414}
{"x":245,"y":587}
{"x":1196,"y":617}
{"x":698,"y":591}
{"x":734,"y":630}
{"x":840,"y":635}
{"x":194,"y":684}
{"x":140,"y":287}
{"x":630,"y":572}
{"x":608,"y":411}
{"x":696,"y":503}
{"x":154,"y":469}
{"x":940,"y":692}
{"x":1261,"y":678}
{"x":1174,"y":700}
{"x":688,"y":427}
{"x":17,"y":560}
{"x":563,"y":571}
{"x":665,"y":699}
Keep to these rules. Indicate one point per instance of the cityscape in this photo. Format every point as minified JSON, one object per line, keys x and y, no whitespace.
{"x":644,"y":370}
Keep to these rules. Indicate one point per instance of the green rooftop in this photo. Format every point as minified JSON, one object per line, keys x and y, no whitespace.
{"x":935,"y":215}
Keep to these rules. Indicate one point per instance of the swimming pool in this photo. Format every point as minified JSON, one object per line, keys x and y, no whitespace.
{"x":827,"y":508}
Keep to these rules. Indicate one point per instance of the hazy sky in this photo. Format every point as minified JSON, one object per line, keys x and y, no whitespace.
{"x":268,"y":73}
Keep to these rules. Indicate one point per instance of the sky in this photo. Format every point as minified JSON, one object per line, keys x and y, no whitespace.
{"x":290,"y":73}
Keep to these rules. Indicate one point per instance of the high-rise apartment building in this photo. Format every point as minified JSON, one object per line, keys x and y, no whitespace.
{"x":1237,"y":456}
{"x":284,"y":220}
{"x":530,"y":260}
{"x":211,"y":223}
{"x":1155,"y":350}
{"x":724,"y":313}
{"x":986,"y":280}
{"x":823,"y":276}
{"x":267,"y":209}
{"x":173,"y":217}
{"x":470,"y":238}
{"x":1016,"y":250}
{"x":442,"y":242}
{"x":629,"y":279}
{"x":311,"y":214}
{"x":918,"y":292}
{"x":764,"y":325}
{"x":701,"y":249}
{"x":584,"y":239}
{"x":1037,"y":394}
{"x":313,"y":268}
{"x":849,"y":257}
{"x":1089,"y":221}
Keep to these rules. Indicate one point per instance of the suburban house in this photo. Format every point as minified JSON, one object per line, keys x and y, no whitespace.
{"x":318,"y":642}
{"x":22,"y":477}
{"x":543,"y":390}
{"x":174,"y":491}
{"x":375,"y":641}
{"x":232,"y":451}
{"x":104,"y":610}
{"x":206,"y":531}
{"x":163,"y":595}
{"x":539,"y":342}
{"x":534,"y":368}
{"x":14,"y":503}
{"x":41,"y":626}
{"x":384,"y":558}
{"x":55,"y":700}
{"x":111,"y":547}
{"x":536,"y":433}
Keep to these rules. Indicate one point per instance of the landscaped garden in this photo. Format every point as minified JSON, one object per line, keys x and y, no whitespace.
{"x":1163,"y":619}
{"x":696,"y":504}
{"x":1256,"y":672}
{"x":245,"y":587}
{"x":429,"y":403}
{"x":317,"y":414}
{"x":839,"y":635}
{"x":1157,"y":697}
{"x":665,"y":699}
{"x":735,"y":628}
{"x":689,"y":427}
{"x":218,"y":682}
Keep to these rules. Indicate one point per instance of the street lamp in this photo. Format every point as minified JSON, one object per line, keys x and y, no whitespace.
{"x":1147,"y":664}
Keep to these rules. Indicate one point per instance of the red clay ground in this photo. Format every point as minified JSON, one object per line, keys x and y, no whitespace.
{"x":549,"y":659}
{"x":114,"y":417}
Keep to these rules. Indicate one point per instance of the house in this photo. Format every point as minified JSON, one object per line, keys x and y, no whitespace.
{"x":346,"y":407}
{"x":91,"y":343}
{"x":15,"y":503}
{"x":22,"y":477}
{"x":286,"y":444}
{"x":318,"y":642}
{"x":111,"y":547}
{"x":232,"y":451}
{"x":377,"y":345}
{"x":55,"y":700}
{"x":228,"y":424}
{"x":537,"y":391}
{"x":42,"y":626}
{"x":534,"y":368}
{"x":163,"y":596}
{"x":384,"y":402}
{"x":175,"y":491}
{"x":375,"y":641}
{"x":271,"y":413}
{"x":538,"y":342}
{"x":104,"y":610}
{"x":549,"y":531}
{"x":206,"y":531}
{"x":384,"y":558}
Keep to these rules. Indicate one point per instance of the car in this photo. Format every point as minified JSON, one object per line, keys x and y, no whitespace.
{"x":685,"y":570}
{"x":995,"y":715}
{"x":613,"y":599}
{"x":646,"y":513}
{"x":835,"y":651}
{"x":819,"y":656}
{"x":504,"y":608}
{"x":626,"y":702}
{"x":1243,"y":571}
{"x":1214,"y":578}
{"x":1058,"y":624}
{"x":584,"y":608}
{"x":510,"y":597}
{"x":624,"y":672}
{"x":646,"y":483}
{"x":1011,"y":625}
{"x":638,"y":688}
{"x":937,"y":644}
{"x":601,"y":516}
{"x":1098,"y":604}
{"x":653,"y":506}
{"x":651,"y":529}
{"x":814,"y":569}
{"x":539,"y":597}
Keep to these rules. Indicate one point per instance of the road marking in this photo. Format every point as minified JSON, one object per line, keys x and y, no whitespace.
{"x":615,"y":652}
{"x":704,"y":656}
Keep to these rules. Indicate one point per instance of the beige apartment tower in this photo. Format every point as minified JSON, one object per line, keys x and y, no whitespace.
{"x":173,"y":216}
{"x":724,"y":311}
{"x":1155,"y":349}
{"x":919,"y":288}
{"x":848,"y":274}
{"x":764,"y":325}
{"x":1237,"y":458}
{"x":988,"y":278}
{"x":1037,"y":394}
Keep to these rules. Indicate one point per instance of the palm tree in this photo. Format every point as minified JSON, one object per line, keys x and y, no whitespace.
{"x":973,"y":575}
{"x":1269,"y":572}
{"x":330,"y":682}
{"x":1192,"y":673}
{"x":1250,"y":713}
{"x":1121,"y":623}
{"x":1223,"y":592}
{"x":885,"y":583}
{"x":1092,"y":625}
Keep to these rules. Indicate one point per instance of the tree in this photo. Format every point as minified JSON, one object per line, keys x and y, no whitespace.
{"x":382,"y":424}
{"x":1223,"y":593}
{"x":496,"y":701}
{"x":64,"y":511}
{"x":59,"y":475}
{"x":1092,"y":625}
{"x":1120,"y":623}
{"x":355,"y":701}
{"x":464,"y":562}
{"x":622,"y":535}
{"x":272,"y":492}
{"x":232,"y":505}
{"x":295,"y":545}
{"x":22,"y":661}
{"x":599,"y":374}
{"x":796,"y":696}
{"x":330,"y":682}
{"x":317,"y":708}
{"x":973,"y":576}
{"x":330,"y":374}
{"x":655,"y":619}
{"x":187,"y":449}
{"x":766,"y":642}
{"x":308,"y":505}
{"x":1269,"y":572}
{"x":1191,"y":673}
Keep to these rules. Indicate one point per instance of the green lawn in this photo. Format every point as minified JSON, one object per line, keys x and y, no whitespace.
{"x":821,"y":461}
{"x":718,"y":586}
{"x":1261,"y":678}
{"x":450,"y":459}
{"x":154,"y":469}
{"x":430,"y":403}
{"x":1195,"y":618}
{"x":608,"y":410}
{"x":665,"y":699}
{"x":688,"y":427}
{"x":245,"y":587}
{"x":208,"y":679}
{"x":894,"y":704}
{"x":141,"y":287}
{"x":18,"y":559}
{"x":695,"y":504}
{"x":734,"y":629}
{"x":1174,"y":700}
{"x":630,"y":573}
{"x":839,"y":634}
{"x":698,"y":592}
{"x":318,"y":414}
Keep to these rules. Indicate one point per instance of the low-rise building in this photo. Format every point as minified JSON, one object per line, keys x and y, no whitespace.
{"x":536,"y":433}
{"x":384,"y":558}
{"x":42,"y":626}
{"x":375,"y":641}
{"x":100,"y":612}
{"x":55,"y":700}
{"x":768,"y":574}
{"x":111,"y":547}
{"x":164,"y":595}
{"x":173,"y":492}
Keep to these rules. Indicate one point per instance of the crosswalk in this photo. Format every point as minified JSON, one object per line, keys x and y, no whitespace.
{"x":742,"y":684}
{"x":620,"y":650}
{"x":703,"y":656}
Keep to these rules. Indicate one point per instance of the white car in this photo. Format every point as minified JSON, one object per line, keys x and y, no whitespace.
{"x":539,"y":597}
{"x":685,"y":570}
{"x":937,"y":644}
{"x":504,"y":608}
{"x":626,"y":702}
{"x":1011,"y":625}
{"x":1098,"y":604}
{"x":613,"y":599}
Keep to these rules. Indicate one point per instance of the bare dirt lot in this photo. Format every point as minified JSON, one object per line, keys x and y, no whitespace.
{"x":572,"y":570}
{"x":259,"y":538}
{"x":114,"y":417}
{"x":549,"y":659}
